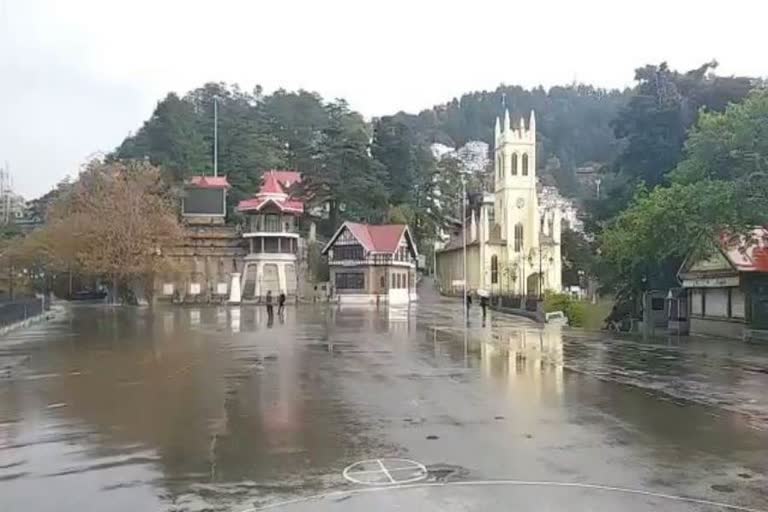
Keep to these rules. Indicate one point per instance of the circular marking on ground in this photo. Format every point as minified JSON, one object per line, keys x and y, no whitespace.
{"x":385,"y":472}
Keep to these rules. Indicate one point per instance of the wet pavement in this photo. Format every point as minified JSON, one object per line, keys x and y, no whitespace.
{"x":215,"y":408}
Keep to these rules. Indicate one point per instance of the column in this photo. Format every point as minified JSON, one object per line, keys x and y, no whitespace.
{"x":262,"y":245}
{"x":279,"y":244}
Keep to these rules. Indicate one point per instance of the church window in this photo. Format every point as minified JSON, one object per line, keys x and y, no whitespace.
{"x":518,"y":237}
{"x":494,"y":269}
{"x":525,"y":164}
{"x":514,"y":164}
{"x":491,"y":216}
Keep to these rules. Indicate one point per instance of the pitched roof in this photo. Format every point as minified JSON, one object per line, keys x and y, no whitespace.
{"x":286,"y":178}
{"x":208,"y":182}
{"x":255,"y":204}
{"x":747,"y":253}
{"x":381,"y":238}
{"x":744,"y":253}
{"x":271,"y":185}
{"x":273,"y":190}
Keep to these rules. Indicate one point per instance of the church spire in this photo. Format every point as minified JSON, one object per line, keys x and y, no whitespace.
{"x":532,"y":123}
{"x":506,"y":120}
{"x":497,"y":130}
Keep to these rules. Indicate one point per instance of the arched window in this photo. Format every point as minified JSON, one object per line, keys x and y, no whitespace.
{"x":514,"y":164}
{"x":525,"y":164}
{"x":518,"y":237}
{"x":494,"y":269}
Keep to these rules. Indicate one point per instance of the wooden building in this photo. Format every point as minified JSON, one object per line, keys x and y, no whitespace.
{"x":727,"y":290}
{"x":372,"y":264}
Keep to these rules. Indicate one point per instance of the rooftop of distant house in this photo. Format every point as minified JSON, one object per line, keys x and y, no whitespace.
{"x":209,"y":182}
{"x":377,"y":238}
{"x":274,"y":190}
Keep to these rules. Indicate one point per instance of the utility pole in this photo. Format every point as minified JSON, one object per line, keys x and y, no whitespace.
{"x":215,"y":136}
{"x":464,"y":250}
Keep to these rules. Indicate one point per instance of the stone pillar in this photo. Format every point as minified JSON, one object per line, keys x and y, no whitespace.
{"x":235,"y":291}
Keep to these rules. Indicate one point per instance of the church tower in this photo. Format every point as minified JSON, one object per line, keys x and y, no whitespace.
{"x":516,"y":200}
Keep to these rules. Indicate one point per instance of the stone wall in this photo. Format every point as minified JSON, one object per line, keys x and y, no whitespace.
{"x":201,"y":265}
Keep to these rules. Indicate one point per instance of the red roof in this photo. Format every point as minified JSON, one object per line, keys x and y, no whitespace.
{"x":273,"y":190}
{"x":381,"y":238}
{"x":257,"y":203}
{"x":208,"y":182}
{"x":287,"y":178}
{"x":747,"y":254}
{"x":271,"y":185}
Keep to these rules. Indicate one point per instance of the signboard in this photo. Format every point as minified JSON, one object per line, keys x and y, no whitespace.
{"x":221,"y":288}
{"x":457,"y":282}
{"x":711,"y":282}
{"x":168,"y":289}
{"x":204,"y":201}
{"x":194,"y":289}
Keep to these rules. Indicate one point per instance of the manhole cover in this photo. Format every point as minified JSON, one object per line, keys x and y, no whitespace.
{"x":385,"y":472}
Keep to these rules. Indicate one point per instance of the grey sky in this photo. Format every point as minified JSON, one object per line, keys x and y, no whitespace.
{"x":77,"y":75}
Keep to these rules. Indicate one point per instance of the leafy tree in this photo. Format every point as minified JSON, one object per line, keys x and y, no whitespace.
{"x":343,"y":174}
{"x":654,"y":124}
{"x":719,"y":187}
{"x":116,"y":222}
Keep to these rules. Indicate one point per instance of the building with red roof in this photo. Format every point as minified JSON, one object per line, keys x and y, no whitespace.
{"x":372,"y":264}
{"x":727,"y":289}
{"x":205,"y":200}
{"x":272,"y":233}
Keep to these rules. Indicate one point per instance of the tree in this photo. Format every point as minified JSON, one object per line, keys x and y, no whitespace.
{"x":653,"y":127}
{"x":720,"y":187}
{"x":343,"y":175}
{"x":116,"y":222}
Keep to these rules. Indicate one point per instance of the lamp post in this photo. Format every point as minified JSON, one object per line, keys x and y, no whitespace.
{"x":464,"y":248}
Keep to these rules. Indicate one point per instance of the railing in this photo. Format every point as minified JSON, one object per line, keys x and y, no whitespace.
{"x":526,"y":302}
{"x":19,"y":310}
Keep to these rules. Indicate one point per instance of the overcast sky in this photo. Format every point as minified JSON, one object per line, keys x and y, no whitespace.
{"x":76,"y":76}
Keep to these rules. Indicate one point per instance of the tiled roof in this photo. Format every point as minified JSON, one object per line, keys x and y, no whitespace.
{"x":381,"y":238}
{"x":257,"y":203}
{"x":747,"y":253}
{"x":271,"y":185}
{"x":273,"y":190}
{"x":209,"y":182}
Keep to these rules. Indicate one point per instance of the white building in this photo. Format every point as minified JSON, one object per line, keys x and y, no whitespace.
{"x":513,"y":244}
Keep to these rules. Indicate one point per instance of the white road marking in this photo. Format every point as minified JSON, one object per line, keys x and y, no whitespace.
{"x":384,"y":469}
{"x":347,"y":493}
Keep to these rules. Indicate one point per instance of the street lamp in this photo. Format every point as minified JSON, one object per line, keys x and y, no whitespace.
{"x":464,"y":236}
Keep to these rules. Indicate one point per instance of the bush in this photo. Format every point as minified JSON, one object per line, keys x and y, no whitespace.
{"x":574,"y":309}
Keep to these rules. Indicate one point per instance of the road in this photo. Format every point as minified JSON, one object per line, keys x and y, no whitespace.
{"x":216,"y":408}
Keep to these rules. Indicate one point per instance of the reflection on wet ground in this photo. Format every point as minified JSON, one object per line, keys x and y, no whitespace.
{"x":212,"y":408}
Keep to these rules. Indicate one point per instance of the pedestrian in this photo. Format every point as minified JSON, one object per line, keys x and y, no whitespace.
{"x":469,"y":300}
{"x":281,"y":303}
{"x":268,"y":301}
{"x":484,"y":305}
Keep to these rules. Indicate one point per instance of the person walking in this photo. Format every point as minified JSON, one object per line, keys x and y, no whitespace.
{"x":281,"y":303}
{"x":268,"y":301}
{"x":469,"y":301}
{"x":484,"y":305}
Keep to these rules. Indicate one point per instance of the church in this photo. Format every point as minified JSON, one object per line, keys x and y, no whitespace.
{"x":513,"y":244}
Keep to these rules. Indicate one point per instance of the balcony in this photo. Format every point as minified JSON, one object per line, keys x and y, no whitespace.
{"x":282,"y":243}
{"x":271,"y":225}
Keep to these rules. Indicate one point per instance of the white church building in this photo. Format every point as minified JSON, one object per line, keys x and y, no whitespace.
{"x":513,"y":243}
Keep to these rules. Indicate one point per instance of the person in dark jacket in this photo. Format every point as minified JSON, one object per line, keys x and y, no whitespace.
{"x":484,"y":305}
{"x":281,"y":303}
{"x":268,"y":301}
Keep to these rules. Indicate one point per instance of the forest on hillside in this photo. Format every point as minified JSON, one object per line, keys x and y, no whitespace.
{"x":383,"y":169}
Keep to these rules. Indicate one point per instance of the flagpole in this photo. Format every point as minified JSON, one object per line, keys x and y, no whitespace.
{"x":215,"y":136}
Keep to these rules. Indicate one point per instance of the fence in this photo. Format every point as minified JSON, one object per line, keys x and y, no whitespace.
{"x":526,"y":302}
{"x":19,"y":310}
